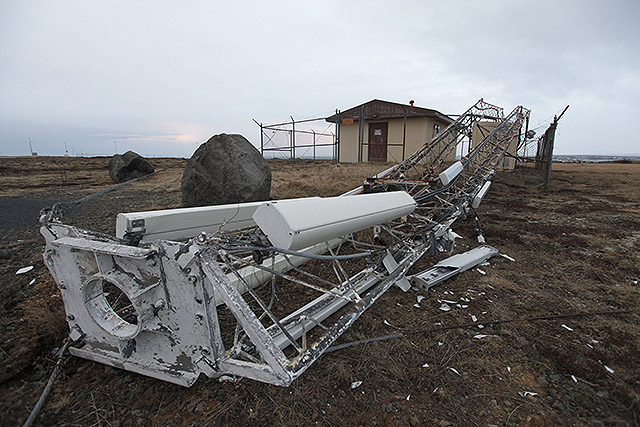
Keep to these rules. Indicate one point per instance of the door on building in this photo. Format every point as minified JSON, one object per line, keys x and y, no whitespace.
{"x":378,"y":142}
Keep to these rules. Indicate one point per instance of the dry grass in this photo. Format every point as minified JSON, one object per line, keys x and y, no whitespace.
{"x":576,"y":250}
{"x":324,"y":179}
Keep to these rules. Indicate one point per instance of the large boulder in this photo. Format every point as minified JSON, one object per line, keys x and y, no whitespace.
{"x":225,"y":169}
{"x":130,"y":165}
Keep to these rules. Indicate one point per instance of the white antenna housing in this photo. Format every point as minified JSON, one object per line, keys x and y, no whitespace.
{"x":298,"y":224}
{"x":450,"y":173}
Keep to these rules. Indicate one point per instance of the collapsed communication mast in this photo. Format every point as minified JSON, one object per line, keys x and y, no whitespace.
{"x":183,"y":292}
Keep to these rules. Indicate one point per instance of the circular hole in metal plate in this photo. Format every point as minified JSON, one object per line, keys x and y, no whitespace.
{"x":111,"y":308}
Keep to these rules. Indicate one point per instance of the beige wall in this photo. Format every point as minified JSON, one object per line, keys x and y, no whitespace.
{"x":348,"y":150}
{"x":419,"y":130}
{"x":482,"y":130}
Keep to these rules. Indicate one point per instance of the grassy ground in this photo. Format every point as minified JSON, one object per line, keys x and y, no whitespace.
{"x":575,"y":250}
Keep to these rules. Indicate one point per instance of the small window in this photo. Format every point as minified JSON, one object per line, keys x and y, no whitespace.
{"x":436,"y":129}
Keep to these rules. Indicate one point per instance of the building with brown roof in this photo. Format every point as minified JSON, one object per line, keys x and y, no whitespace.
{"x":383,"y":131}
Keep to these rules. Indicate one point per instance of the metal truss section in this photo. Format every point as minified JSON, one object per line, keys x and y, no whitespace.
{"x":261,"y":290}
{"x":425,"y":161}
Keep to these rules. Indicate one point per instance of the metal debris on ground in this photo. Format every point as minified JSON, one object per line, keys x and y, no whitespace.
{"x":24,"y":270}
{"x":183,"y":292}
{"x":527,"y":393}
{"x":451,"y":266}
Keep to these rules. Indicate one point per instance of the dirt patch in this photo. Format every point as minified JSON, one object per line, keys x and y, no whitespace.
{"x":575,"y":249}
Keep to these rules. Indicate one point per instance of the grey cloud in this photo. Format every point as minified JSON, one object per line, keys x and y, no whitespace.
{"x":100,"y":70}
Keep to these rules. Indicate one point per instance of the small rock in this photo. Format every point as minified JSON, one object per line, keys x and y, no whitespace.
{"x":388,"y":407}
{"x":555,"y":377}
{"x":414,"y":421}
{"x":558,"y":405}
{"x":5,"y":254}
{"x":341,"y":393}
{"x":604,"y":394}
{"x":507,"y":403}
{"x":198,"y":408}
{"x":493,"y":403}
{"x":542,"y":380}
{"x":444,"y":423}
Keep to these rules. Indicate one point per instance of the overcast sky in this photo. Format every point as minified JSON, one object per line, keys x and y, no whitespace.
{"x":161,"y":77}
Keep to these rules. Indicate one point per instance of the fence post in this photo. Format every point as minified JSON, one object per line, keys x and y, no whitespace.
{"x":336,"y":140}
{"x":360,"y":134}
{"x":526,"y":131}
{"x":261,"y":140}
{"x":540,"y":151}
{"x":549,"y":137}
{"x":404,"y":134}
{"x":293,"y":138}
